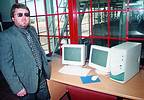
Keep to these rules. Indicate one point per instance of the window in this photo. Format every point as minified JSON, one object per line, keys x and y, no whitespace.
{"x":101,"y":22}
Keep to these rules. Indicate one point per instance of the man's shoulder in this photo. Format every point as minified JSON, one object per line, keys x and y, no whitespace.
{"x":8,"y":33}
{"x":9,"y":30}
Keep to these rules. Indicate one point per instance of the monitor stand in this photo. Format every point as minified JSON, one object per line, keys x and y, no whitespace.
{"x":102,"y":72}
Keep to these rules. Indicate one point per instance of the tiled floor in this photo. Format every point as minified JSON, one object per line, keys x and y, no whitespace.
{"x":5,"y":92}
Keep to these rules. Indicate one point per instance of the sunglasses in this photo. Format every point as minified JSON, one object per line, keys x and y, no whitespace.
{"x":23,"y":14}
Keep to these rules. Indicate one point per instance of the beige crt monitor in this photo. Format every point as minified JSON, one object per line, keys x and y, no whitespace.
{"x":124,"y":61}
{"x":99,"y":59}
{"x":73,"y":54}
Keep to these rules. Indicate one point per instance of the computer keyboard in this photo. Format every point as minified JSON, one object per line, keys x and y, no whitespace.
{"x":74,"y":70}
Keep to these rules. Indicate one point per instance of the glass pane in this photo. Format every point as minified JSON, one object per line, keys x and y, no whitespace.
{"x":118,"y":4}
{"x":40,"y":7}
{"x":21,"y":1}
{"x":99,"y":5}
{"x":62,"y":6}
{"x":117,"y":24}
{"x":99,"y":24}
{"x":136,"y":24}
{"x":85,"y":24}
{"x":101,"y":42}
{"x":31,"y":7}
{"x":33,"y":22}
{"x":115,"y":42}
{"x":60,"y":26}
{"x":52,"y":6}
{"x":42,"y":26}
{"x":82,"y":5}
{"x":53,"y":25}
{"x":54,"y":45}
{"x":136,"y":19}
{"x":64,"y":25}
{"x":136,"y":4}
{"x":44,"y":43}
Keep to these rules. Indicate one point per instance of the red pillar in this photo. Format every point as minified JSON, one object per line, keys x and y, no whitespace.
{"x":73,"y":23}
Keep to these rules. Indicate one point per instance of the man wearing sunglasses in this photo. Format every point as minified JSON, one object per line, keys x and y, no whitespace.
{"x":22,"y":59}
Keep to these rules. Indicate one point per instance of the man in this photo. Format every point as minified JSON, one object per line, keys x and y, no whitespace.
{"x":22,"y":59}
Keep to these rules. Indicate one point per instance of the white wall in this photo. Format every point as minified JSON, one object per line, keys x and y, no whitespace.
{"x":5,"y":6}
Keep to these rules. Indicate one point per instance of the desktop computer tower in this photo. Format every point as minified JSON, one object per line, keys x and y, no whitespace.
{"x":124,"y":61}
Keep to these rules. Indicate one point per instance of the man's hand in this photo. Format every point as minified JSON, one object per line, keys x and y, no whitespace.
{"x":22,"y":92}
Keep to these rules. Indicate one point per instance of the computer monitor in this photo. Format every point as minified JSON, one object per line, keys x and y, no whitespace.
{"x":100,"y":58}
{"x":73,"y":54}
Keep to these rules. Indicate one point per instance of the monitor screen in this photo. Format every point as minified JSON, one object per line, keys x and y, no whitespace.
{"x":99,"y":58}
{"x":73,"y":54}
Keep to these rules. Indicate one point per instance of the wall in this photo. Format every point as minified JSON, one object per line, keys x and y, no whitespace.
{"x":5,"y":6}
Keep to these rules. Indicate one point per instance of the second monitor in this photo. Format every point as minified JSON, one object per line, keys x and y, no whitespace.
{"x":99,"y":59}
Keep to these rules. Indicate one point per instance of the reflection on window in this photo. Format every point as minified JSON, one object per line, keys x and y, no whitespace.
{"x":136,"y":19}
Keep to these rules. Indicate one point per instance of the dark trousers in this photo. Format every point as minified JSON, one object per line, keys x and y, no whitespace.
{"x":42,"y":92}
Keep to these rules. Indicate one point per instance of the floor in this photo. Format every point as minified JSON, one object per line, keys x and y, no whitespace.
{"x":5,"y":92}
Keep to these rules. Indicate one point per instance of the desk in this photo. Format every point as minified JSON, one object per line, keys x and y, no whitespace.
{"x":133,"y":89}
